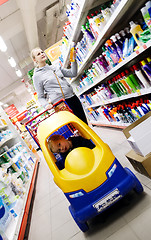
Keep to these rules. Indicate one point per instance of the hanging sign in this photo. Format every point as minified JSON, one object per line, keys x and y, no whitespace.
{"x":3,"y":1}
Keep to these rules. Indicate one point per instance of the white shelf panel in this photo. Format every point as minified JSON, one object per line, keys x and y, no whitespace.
{"x":110,"y":124}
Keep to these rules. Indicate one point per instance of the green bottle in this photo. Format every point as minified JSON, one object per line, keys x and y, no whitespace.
{"x":130,"y":82}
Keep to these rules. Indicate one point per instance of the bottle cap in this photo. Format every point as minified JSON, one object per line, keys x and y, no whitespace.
{"x":109,"y":42}
{"x":113,"y":38}
{"x":143,"y":63}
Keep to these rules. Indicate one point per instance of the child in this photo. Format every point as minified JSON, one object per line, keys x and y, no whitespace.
{"x":58,"y":144}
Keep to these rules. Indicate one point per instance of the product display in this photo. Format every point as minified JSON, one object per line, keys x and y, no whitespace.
{"x":17,"y":164}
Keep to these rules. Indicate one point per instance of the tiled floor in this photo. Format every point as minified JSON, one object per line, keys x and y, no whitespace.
{"x":130,"y":219}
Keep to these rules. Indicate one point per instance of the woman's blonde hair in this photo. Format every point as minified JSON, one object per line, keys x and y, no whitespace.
{"x":52,"y":139}
{"x":32,"y":54}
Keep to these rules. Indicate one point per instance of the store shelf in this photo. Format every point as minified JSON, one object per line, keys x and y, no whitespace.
{"x":16,"y":229}
{"x":3,"y":127}
{"x":120,"y":11}
{"x":103,"y":77}
{"x":114,"y":125}
{"x":77,"y":26}
{"x":6,"y":140}
{"x":140,"y":92}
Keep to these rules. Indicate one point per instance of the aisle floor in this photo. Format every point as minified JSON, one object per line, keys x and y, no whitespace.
{"x":128,"y":219}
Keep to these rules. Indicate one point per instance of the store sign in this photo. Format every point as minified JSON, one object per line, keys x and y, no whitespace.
{"x":53,"y":52}
{"x":11,"y":111}
{"x":3,"y":1}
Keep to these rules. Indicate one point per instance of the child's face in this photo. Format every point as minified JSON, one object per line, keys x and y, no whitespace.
{"x":60,"y":146}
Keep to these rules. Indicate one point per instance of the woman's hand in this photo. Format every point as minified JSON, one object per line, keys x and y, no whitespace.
{"x":49,"y":107}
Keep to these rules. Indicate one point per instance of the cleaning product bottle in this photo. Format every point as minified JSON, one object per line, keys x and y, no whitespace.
{"x":113,"y":53}
{"x":146,"y":16}
{"x":93,"y":27}
{"x":114,"y":87}
{"x":146,"y":66}
{"x":118,"y":47}
{"x":134,"y":112}
{"x":72,"y":57}
{"x":136,"y":30}
{"x":108,"y":57}
{"x":148,"y":6}
{"x":142,"y":109}
{"x":122,"y":79}
{"x":134,"y":79}
{"x":124,"y":91}
{"x":135,"y":106}
{"x":140,"y":76}
{"x":144,"y":104}
{"x":129,"y":81}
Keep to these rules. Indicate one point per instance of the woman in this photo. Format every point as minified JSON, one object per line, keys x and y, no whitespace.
{"x":45,"y":82}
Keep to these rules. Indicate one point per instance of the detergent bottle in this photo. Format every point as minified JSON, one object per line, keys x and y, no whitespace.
{"x":123,"y":76}
{"x":134,"y":105}
{"x":134,"y":115}
{"x":148,"y":6}
{"x":118,"y":47}
{"x":130,"y":82}
{"x":72,"y":58}
{"x":141,"y":108}
{"x":144,"y":104}
{"x":140,"y":76}
{"x":134,"y":112}
{"x":99,"y":20}
{"x":114,"y":87}
{"x":107,"y":56}
{"x":124,"y":91}
{"x":136,"y":30}
{"x":145,"y":13}
{"x":146,"y":66}
{"x":113,"y":52}
{"x":134,"y":78}
{"x":93,"y":27}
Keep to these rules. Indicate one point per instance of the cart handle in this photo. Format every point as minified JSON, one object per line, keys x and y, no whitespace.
{"x":61,"y":100}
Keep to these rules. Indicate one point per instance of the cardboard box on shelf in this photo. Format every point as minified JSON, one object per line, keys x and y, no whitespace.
{"x":138,"y":135}
{"x":141,"y":164}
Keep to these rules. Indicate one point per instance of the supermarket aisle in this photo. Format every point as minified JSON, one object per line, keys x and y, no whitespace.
{"x":129,"y":219}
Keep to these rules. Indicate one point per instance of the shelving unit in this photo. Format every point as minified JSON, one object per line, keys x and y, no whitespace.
{"x":123,"y":13}
{"x":15,"y":230}
{"x":114,"y":70}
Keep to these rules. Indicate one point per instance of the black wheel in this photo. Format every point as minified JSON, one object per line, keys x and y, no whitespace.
{"x":138,"y":188}
{"x":82,"y":225}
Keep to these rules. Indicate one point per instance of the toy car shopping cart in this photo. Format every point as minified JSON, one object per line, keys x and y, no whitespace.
{"x":33,"y":123}
{"x":92,"y":179}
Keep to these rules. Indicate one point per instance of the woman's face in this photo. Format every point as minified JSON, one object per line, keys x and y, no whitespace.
{"x":40,"y":56}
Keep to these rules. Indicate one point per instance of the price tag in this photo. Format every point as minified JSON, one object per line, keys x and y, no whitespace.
{"x":137,"y":52}
{"x":144,"y":46}
{"x":138,"y":92}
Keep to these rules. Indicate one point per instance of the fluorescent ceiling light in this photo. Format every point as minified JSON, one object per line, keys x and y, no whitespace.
{"x":12,"y":62}
{"x":19,"y":73}
{"x":3,"y":46}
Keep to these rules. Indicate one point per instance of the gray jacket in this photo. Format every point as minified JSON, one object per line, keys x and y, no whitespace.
{"x":45,"y":81}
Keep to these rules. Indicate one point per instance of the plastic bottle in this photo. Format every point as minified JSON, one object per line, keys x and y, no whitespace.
{"x":108,"y":57}
{"x":140,"y":76}
{"x":99,"y":20}
{"x":134,"y":79}
{"x":114,"y":87}
{"x":113,"y":53}
{"x":72,"y":58}
{"x":93,"y":27}
{"x":146,"y":65}
{"x":118,"y":47}
{"x":146,"y":15}
{"x":106,"y":12}
{"x":148,"y":6}
{"x":134,"y":112}
{"x":136,"y":30}
{"x":130,"y":82}
{"x":123,"y":76}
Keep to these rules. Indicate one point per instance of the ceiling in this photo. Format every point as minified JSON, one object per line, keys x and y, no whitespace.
{"x":24,"y":25}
